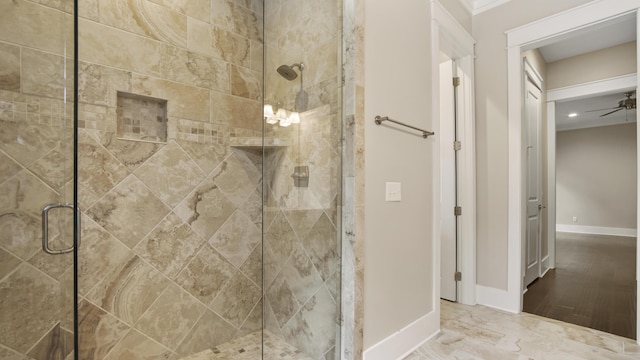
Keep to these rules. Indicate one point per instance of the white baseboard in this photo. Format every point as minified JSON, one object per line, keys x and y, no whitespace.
{"x":406,"y":340}
{"x":496,"y":298}
{"x":545,"y":265}
{"x":598,"y":230}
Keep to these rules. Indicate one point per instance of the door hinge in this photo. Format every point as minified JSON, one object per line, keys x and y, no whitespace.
{"x":457,"y":276}
{"x":457,"y":211}
{"x":457,"y":145}
{"x":456,"y":81}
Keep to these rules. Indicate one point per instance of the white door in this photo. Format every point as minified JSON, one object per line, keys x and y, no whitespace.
{"x":532,"y":125}
{"x":448,"y":262}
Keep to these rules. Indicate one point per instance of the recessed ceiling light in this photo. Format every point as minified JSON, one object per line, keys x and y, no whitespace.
{"x":573,"y":115}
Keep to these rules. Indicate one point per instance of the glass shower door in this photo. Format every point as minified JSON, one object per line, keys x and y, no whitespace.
{"x":36,"y":180}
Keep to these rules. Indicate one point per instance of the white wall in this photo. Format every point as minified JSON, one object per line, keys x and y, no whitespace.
{"x":492,"y":131}
{"x":596,"y":176}
{"x":399,"y":258}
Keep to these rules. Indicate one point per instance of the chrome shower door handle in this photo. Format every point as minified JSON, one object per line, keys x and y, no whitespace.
{"x":45,"y":229}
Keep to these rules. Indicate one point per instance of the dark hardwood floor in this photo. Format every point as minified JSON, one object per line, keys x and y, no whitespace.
{"x":593,"y":284}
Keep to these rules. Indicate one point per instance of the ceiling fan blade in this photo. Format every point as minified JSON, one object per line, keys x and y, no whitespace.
{"x":617,"y":107}
{"x":609,"y":113}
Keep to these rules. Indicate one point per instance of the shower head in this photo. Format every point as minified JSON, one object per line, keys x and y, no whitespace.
{"x":288,"y":72}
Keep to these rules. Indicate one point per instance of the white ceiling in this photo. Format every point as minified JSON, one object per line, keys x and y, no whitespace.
{"x":592,"y":119}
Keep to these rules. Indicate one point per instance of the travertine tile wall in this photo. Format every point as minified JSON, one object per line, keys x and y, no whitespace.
{"x":302,"y":225}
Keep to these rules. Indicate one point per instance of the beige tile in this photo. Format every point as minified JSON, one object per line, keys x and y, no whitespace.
{"x":26,"y":142}
{"x":246,"y":83}
{"x":8,"y":354}
{"x":9,"y":67}
{"x":302,"y":220}
{"x":170,"y":246}
{"x":237,"y":177}
{"x":252,"y":267}
{"x":236,"y":112}
{"x":145,"y":18}
{"x":231,"y":47}
{"x":199,"y":9}
{"x":44,"y":74}
{"x":256,"y":57}
{"x":237,"y":300}
{"x":207,"y":156}
{"x":322,"y":246}
{"x":252,"y":207}
{"x":206,"y":275}
{"x":184,"y":101}
{"x":236,"y":19}
{"x":210,"y":331}
{"x":40,"y":32}
{"x":236,"y":239}
{"x":55,"y":266}
{"x":300,"y":274}
{"x":170,"y":174}
{"x":171,"y":317}
{"x":8,"y":263}
{"x":24,"y":294}
{"x":8,"y":167}
{"x":280,"y":297}
{"x":205,"y":209}
{"x":98,"y":85}
{"x":135,"y":345}
{"x":129,"y":211}
{"x":98,"y":333}
{"x":99,"y":253}
{"x":129,"y":290}
{"x":89,"y":10}
{"x":105,"y":45}
{"x":192,"y":68}
{"x":57,"y":344}
{"x":131,"y":154}
{"x":280,"y":239}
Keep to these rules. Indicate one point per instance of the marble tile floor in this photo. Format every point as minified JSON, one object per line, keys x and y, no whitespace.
{"x":478,"y":332}
{"x":249,"y":348}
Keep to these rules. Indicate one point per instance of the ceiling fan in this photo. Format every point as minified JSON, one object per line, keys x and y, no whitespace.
{"x":626,"y":104}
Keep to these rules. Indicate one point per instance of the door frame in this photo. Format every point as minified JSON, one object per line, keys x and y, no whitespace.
{"x":450,"y":38}
{"x":530,"y":36}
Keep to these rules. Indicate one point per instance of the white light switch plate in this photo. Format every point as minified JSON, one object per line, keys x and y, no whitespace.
{"x":393,"y":191}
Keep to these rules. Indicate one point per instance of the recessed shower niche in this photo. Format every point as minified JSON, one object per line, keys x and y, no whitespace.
{"x":141,"y":117}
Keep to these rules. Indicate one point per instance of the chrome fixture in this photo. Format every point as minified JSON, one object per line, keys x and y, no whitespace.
{"x":288,"y":72}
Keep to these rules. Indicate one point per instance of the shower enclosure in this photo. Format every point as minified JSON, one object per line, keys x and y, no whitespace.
{"x":208,"y":229}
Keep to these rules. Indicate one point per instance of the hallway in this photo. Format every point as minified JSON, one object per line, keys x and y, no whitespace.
{"x":593,"y":284}
{"x":478,"y":332}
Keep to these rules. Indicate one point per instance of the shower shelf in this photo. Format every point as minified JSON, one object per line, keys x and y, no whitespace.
{"x":257,"y":143}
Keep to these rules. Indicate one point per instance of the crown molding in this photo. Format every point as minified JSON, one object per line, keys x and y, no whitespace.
{"x":480,"y":6}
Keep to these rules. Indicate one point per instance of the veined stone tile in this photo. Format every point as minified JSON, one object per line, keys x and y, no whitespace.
{"x":199,"y":9}
{"x":35,"y":33}
{"x":321,"y":244}
{"x":252,"y":207}
{"x":236,"y":111}
{"x":253,"y":322}
{"x":206,"y":275}
{"x":210,"y":331}
{"x":135,"y":345}
{"x":105,"y":45}
{"x":237,"y":19}
{"x":8,"y":263}
{"x":89,"y":10}
{"x":184,"y":101}
{"x":207,"y":156}
{"x":26,"y":142}
{"x":57,"y":344}
{"x":313,"y":329}
{"x":302,"y":220}
{"x":98,"y":333}
{"x":230,"y":47}
{"x":237,"y":299}
{"x":171,"y":317}
{"x":205,"y":209}
{"x":282,"y":300}
{"x":246,"y":83}
{"x":252,"y":267}
{"x":8,"y":354}
{"x":236,"y":238}
{"x":170,"y":174}
{"x":129,"y":290}
{"x":280,"y":239}
{"x":302,"y":277}
{"x":188,"y":67}
{"x":8,"y":167}
{"x":9,"y":67}
{"x":55,"y":266}
{"x":98,"y":85}
{"x":24,"y":294}
{"x":21,"y":201}
{"x":129,"y":211}
{"x":55,"y":169}
{"x":270,"y":322}
{"x":44,"y":73}
{"x":131,"y":154}
{"x":256,"y":57}
{"x":288,"y":14}
{"x":145,"y":18}
{"x":237,"y":177}
{"x":99,"y":171}
{"x":170,"y":246}
{"x":99,"y":253}
{"x":333,"y":285}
